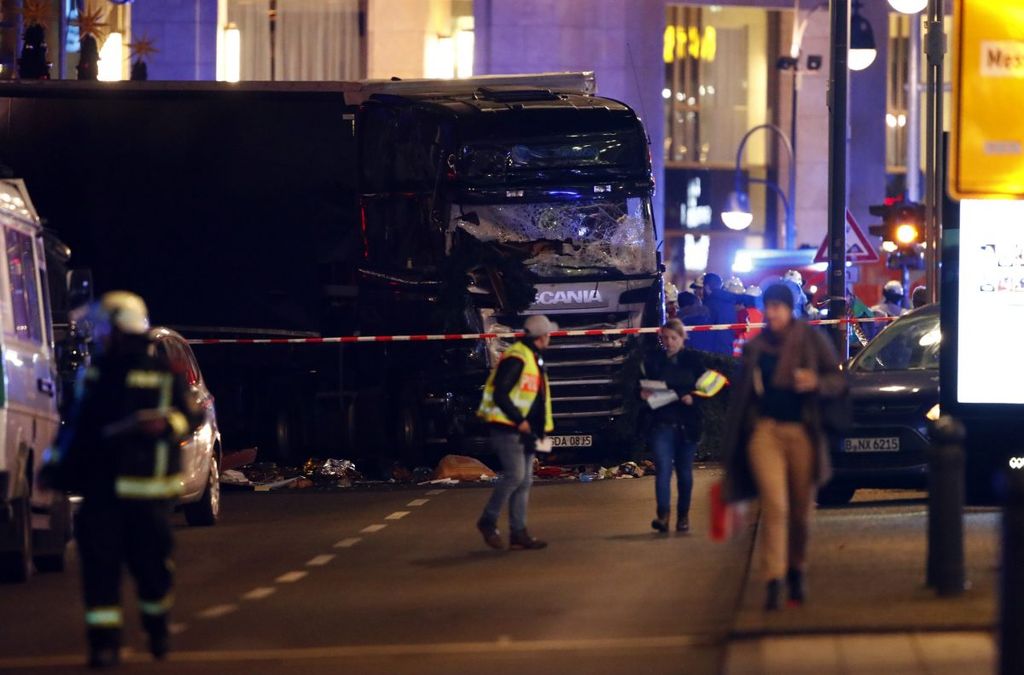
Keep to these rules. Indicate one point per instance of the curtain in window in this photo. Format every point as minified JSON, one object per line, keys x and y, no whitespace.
{"x":252,"y":17}
{"x":317,"y":40}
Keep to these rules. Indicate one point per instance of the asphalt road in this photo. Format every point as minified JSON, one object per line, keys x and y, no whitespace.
{"x":399,"y":582}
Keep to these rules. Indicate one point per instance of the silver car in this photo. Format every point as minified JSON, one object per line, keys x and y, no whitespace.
{"x":201,"y":454}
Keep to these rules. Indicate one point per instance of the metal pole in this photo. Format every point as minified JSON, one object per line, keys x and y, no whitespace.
{"x":945,"y":571}
{"x":838,"y":97}
{"x":1011,"y":593}
{"x":914,"y":112}
{"x":791,"y":211}
{"x":935,"y":48}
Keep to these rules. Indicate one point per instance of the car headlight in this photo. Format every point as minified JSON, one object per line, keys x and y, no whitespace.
{"x":935,"y":413}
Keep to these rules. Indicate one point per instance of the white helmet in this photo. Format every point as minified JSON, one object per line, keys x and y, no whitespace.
{"x":753,"y":291}
{"x":893,"y":291}
{"x":671,"y":292}
{"x":127,"y":312}
{"x":734,"y":285}
{"x":795,"y":277}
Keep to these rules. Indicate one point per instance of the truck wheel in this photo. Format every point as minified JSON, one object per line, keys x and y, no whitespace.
{"x":49,"y":546}
{"x":409,"y":429}
{"x":206,"y":511}
{"x":835,"y":495}
{"x":16,"y":564}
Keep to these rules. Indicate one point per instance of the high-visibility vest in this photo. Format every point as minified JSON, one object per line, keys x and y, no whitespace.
{"x":523,"y":394}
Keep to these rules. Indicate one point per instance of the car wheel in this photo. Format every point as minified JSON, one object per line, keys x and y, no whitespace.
{"x":206,"y":511}
{"x":16,"y":565}
{"x":835,"y":495}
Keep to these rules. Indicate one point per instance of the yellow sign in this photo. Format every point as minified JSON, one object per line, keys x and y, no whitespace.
{"x":987,"y":151}
{"x":680,"y":42}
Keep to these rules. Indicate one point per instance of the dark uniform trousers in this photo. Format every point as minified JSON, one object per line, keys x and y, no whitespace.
{"x":114,"y":533}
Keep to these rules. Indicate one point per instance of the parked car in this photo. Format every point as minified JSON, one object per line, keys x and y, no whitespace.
{"x":35,"y":524}
{"x":894,"y":388}
{"x":202,"y":453}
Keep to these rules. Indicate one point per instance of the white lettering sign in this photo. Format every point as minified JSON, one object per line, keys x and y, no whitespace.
{"x":1002,"y":58}
{"x":576,"y":297}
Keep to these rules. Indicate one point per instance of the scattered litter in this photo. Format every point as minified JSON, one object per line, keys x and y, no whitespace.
{"x":441,"y":481}
{"x":234,"y":477}
{"x":238,"y":458}
{"x":267,"y":487}
{"x":460,"y":467}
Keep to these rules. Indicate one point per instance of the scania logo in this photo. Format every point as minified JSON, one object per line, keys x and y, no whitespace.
{"x":1017,"y":463}
{"x":580,"y":297}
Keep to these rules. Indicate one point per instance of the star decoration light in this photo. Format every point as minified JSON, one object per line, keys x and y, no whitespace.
{"x":35,"y":12}
{"x":142,"y":48}
{"x":91,"y":23}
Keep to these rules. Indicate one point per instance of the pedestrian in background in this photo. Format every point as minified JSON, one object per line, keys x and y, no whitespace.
{"x":693,"y":313}
{"x":721,"y":305}
{"x":776,"y":443}
{"x":675,"y":428}
{"x":919,"y":298}
{"x":892,"y":301}
{"x":120,"y":449}
{"x":517,"y":407}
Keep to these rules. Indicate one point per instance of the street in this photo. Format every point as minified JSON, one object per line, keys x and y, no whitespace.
{"x":398,"y":581}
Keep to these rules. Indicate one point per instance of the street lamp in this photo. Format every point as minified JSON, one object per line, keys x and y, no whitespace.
{"x":737,"y":215}
{"x":908,"y":6}
{"x":862,"y":40}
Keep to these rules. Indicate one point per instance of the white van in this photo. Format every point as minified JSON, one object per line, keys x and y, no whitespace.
{"x":34,"y":524}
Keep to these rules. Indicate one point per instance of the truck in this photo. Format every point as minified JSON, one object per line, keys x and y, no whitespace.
{"x":371,"y":208}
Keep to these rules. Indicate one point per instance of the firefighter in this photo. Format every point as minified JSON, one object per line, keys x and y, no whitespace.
{"x":120,"y":450}
{"x":517,"y":407}
{"x":892,"y":301}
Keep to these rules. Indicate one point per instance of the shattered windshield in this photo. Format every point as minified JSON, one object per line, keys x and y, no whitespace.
{"x":569,"y":238}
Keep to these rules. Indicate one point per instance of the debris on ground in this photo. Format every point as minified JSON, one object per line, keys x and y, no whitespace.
{"x":462,"y":468}
{"x":238,"y":458}
{"x":588,"y":473}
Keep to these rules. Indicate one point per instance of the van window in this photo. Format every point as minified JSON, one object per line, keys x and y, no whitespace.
{"x":21,"y":264}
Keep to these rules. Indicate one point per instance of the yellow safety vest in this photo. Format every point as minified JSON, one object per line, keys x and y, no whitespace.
{"x":523,"y":394}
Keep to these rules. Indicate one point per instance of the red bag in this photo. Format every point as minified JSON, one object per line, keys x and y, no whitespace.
{"x":726,"y":519}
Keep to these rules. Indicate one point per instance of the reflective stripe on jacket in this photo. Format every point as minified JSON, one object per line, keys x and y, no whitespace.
{"x":523,"y":394}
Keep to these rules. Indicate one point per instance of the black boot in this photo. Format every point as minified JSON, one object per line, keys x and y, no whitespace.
{"x":683,"y":523}
{"x":159,"y":640}
{"x":104,"y":647}
{"x":797,"y":592}
{"x":490,"y":533}
{"x":661,"y":522}
{"x":772,"y":592}
{"x":521,"y":539}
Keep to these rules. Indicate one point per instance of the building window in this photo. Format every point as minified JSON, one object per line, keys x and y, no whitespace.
{"x":898,"y":93}
{"x":716,"y":83}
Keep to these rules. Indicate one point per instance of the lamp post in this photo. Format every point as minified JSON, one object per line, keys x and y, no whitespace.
{"x":838,"y":101}
{"x":737,"y":215}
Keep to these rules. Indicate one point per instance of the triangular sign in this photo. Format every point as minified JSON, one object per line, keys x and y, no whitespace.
{"x":858,"y":248}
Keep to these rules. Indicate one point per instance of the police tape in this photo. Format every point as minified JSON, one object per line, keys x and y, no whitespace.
{"x":597,"y":332}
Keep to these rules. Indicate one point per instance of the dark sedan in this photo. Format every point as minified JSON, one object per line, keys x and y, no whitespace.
{"x":894,"y":387}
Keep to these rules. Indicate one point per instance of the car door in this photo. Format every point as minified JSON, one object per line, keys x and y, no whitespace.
{"x":194,"y":457}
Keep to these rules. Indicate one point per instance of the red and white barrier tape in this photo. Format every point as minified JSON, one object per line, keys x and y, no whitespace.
{"x":352,"y":339}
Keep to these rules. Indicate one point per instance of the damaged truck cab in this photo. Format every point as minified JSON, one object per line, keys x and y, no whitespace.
{"x":480,"y":208}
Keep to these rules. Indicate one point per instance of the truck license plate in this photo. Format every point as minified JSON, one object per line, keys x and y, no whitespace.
{"x":890,"y":444}
{"x":572,"y":441}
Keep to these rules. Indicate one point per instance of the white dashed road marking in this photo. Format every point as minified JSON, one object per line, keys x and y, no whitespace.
{"x":434,"y":493}
{"x":348,"y":543}
{"x":217,"y":611}
{"x":370,"y":529}
{"x":398,"y":515}
{"x":418,"y":502}
{"x":259,"y":593}
{"x":320,"y":560}
{"x":291,"y":577}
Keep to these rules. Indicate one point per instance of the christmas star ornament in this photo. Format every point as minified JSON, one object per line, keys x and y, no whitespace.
{"x":142,"y":48}
{"x":35,"y":12}
{"x":91,"y":23}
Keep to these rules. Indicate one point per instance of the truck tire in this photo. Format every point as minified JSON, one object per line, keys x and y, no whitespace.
{"x":16,"y":563}
{"x":49,"y":547}
{"x":835,"y":494}
{"x":410,"y":440}
{"x":206,"y":511}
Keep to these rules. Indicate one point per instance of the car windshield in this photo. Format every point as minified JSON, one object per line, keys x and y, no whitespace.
{"x":911,"y":343}
{"x":614,"y":234}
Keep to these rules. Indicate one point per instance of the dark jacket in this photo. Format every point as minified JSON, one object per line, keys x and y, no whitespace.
{"x":803,"y":347}
{"x":102,"y":440}
{"x":680,"y":373}
{"x":721,"y":305}
{"x":698,"y":315}
{"x":505,"y":381}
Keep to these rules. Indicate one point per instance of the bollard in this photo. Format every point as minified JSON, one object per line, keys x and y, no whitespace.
{"x":945,"y":571}
{"x":1011,"y":596}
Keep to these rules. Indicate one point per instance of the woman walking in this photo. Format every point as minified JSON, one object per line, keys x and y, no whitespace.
{"x":776,"y":441}
{"x":675,"y":427}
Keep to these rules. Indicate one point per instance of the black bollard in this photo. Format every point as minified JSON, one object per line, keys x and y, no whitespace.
{"x":946,"y":507}
{"x":1011,"y":596}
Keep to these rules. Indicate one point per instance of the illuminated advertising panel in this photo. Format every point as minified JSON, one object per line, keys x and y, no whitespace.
{"x":990,"y":369}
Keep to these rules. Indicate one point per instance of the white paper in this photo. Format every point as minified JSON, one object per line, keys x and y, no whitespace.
{"x":653,"y":385}
{"x":544,"y":444}
{"x":661,"y":399}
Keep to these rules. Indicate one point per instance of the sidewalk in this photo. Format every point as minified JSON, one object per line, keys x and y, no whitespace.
{"x":868,"y":609}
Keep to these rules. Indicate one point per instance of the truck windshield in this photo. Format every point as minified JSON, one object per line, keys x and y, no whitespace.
{"x":611,"y":235}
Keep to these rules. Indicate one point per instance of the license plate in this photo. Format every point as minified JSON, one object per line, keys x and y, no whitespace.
{"x":889,"y":444}
{"x":572,"y":441}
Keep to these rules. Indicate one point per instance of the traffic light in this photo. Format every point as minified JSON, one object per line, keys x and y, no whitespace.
{"x":902,"y":228}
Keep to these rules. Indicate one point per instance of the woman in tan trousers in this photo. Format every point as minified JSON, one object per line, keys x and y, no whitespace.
{"x":777,"y":446}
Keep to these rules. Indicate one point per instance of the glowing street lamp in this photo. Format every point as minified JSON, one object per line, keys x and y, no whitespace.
{"x":862,"y":40}
{"x":908,"y":6}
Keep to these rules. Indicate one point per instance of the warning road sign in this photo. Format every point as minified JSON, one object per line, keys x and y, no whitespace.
{"x":858,"y":247}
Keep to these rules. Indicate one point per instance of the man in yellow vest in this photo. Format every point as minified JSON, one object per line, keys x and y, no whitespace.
{"x":517,"y":407}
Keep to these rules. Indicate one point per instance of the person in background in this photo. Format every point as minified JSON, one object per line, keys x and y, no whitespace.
{"x":721,"y":305}
{"x":516,"y":406}
{"x":892,"y":300}
{"x":752,"y":316}
{"x":735,"y":285}
{"x":693,"y":313}
{"x":775,"y":440}
{"x":671,"y":300}
{"x":675,"y":428}
{"x":120,"y":450}
{"x":919,"y":298}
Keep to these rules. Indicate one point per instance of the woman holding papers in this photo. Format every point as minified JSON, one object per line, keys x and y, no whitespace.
{"x":670,"y":380}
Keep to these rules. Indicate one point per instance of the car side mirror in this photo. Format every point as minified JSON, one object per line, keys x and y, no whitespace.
{"x":79,"y":283}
